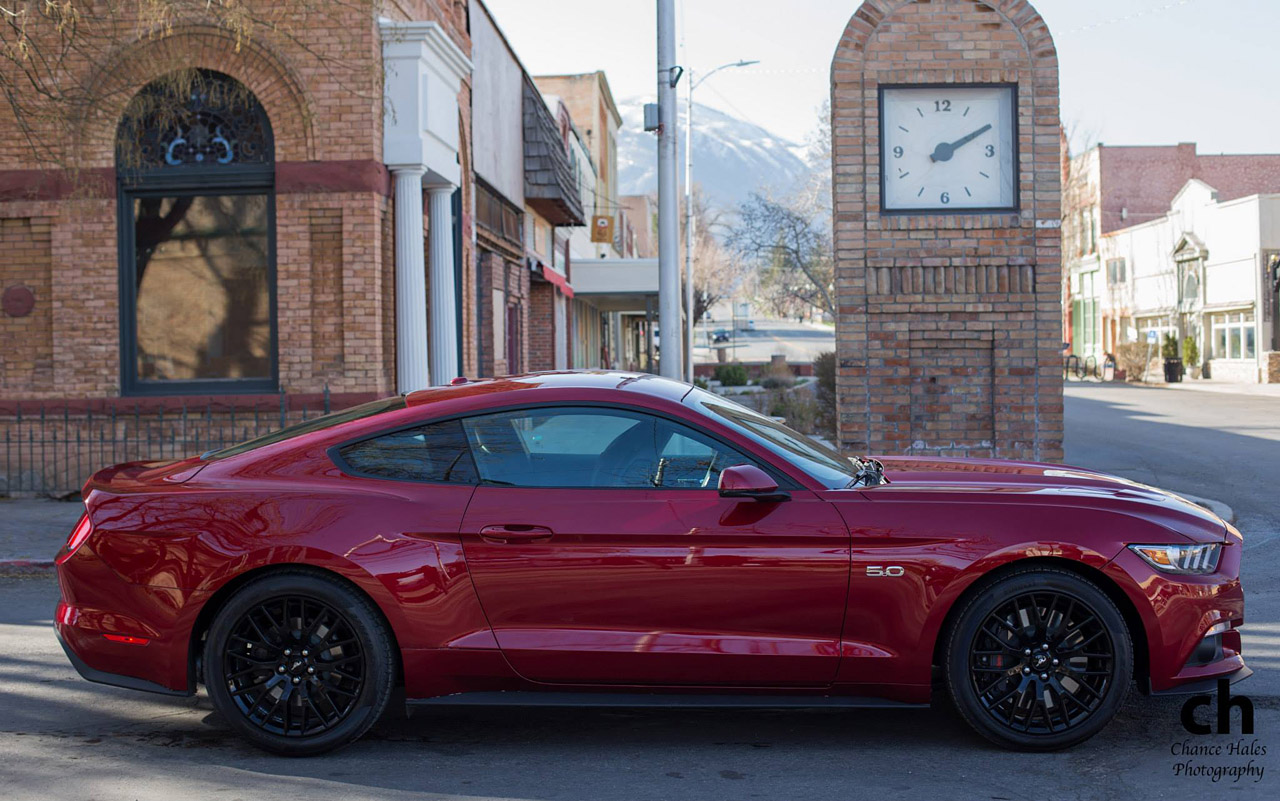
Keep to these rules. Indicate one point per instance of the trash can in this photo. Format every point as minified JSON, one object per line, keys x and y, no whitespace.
{"x":1172,"y":371}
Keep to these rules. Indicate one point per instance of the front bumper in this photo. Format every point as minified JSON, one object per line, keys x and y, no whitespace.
{"x":1202,"y":686}
{"x":1178,"y":612}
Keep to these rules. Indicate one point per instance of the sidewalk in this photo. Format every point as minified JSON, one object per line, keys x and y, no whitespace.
{"x":1190,"y":385}
{"x":1225,"y":387}
{"x":32,"y":531}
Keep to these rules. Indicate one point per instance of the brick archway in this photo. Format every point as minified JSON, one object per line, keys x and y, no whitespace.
{"x":261,"y":71}
{"x":948,"y":325}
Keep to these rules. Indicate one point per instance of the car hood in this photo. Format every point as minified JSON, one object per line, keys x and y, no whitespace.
{"x":1049,"y":481}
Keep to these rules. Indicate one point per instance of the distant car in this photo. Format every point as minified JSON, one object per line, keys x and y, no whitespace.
{"x":618,"y":538}
{"x":719,"y":335}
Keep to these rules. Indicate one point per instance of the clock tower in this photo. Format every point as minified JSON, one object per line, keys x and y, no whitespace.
{"x":946,"y":189}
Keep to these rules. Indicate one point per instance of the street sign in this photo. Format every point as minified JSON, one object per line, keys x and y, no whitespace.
{"x":602,"y":228}
{"x":1152,"y":337}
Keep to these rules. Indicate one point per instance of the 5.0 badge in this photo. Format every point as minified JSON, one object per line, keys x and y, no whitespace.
{"x":885,"y":570}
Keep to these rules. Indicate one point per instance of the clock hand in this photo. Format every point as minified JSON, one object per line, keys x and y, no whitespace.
{"x":944,"y":151}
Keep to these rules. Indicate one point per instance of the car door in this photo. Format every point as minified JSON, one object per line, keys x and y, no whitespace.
{"x":602,"y":552}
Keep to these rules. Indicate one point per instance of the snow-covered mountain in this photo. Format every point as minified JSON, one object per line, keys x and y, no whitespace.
{"x":732,"y":157}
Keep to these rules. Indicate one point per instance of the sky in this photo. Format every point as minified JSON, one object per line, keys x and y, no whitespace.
{"x":1132,"y":71}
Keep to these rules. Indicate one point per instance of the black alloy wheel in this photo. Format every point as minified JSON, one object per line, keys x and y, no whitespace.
{"x":299,"y":662}
{"x":1039,"y":660}
{"x":294,"y":666}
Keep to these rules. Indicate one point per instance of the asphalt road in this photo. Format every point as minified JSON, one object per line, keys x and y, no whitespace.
{"x":1220,"y":446}
{"x":63,"y":738}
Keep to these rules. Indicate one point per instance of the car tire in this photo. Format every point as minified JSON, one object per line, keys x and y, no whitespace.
{"x":299,"y":662}
{"x":1016,"y":692}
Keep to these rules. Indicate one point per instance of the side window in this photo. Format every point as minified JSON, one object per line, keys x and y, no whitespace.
{"x":563,"y":447}
{"x":690,"y":460}
{"x":436,"y":453}
{"x":594,"y":448}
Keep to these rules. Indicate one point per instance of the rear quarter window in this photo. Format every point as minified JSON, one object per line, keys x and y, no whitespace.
{"x":437,"y":453}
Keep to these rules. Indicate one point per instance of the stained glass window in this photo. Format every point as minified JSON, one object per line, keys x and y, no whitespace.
{"x":194,"y":118}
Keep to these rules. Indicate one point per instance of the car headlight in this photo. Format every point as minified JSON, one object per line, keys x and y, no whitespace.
{"x":1185,"y":559}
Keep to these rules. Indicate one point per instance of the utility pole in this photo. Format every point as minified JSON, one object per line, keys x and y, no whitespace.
{"x":688,"y":208}
{"x":690,"y":320}
{"x":669,"y":326}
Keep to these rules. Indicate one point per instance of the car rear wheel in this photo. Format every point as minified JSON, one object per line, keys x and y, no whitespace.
{"x":299,"y":663}
{"x":1040,"y":660}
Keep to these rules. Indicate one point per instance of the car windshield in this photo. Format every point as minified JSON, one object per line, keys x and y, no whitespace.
{"x":820,"y":461}
{"x":314,"y":424}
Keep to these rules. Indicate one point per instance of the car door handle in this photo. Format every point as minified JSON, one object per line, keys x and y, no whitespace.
{"x":516,"y":533}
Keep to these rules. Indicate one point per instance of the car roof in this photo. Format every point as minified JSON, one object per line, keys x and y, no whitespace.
{"x":591,"y":383}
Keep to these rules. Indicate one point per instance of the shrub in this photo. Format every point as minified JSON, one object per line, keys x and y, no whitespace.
{"x":778,"y":378}
{"x":1191,"y":352}
{"x":701,"y":383}
{"x":1169,"y":348}
{"x":731,"y":375}
{"x":1132,"y":358}
{"x":797,"y":407}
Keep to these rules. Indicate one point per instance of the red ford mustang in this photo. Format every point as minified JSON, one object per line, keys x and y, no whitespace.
{"x":620,"y":539}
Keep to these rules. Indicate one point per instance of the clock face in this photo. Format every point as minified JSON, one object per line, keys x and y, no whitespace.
{"x":950,"y":148}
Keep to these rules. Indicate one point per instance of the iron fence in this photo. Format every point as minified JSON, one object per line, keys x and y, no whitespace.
{"x":54,"y":453}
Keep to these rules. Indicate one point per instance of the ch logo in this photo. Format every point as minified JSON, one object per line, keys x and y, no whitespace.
{"x":1225,"y":702}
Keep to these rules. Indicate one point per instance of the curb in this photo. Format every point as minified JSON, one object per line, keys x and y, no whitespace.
{"x":26,"y":567}
{"x":1217,"y":507}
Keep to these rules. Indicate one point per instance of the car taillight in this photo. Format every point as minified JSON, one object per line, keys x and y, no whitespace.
{"x":81,"y":533}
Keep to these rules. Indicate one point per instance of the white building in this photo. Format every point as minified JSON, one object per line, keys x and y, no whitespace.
{"x":1203,"y":270}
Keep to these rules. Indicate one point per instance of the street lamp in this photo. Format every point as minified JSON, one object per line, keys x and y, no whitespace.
{"x":688,"y":212}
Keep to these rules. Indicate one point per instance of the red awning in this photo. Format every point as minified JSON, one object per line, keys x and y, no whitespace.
{"x":552,"y":276}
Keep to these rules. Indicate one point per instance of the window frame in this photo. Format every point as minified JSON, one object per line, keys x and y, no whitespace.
{"x":1236,"y":328}
{"x":257,"y":178}
{"x":784,"y":481}
{"x":225,"y":181}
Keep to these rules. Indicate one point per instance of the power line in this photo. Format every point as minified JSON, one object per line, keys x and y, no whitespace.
{"x":1130,"y":17}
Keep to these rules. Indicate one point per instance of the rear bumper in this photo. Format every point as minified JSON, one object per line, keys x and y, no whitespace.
{"x":98,"y":604}
{"x":114,"y":679}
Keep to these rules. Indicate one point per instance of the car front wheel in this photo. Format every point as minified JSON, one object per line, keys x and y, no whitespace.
{"x":1040,"y":660}
{"x":299,"y":663}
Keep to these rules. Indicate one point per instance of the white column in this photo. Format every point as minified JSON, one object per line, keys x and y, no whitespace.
{"x":444,"y":290}
{"x":411,"y":282}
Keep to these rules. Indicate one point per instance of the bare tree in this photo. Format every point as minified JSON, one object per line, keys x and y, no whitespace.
{"x":791,"y":248}
{"x":789,"y":239}
{"x":718,"y":271}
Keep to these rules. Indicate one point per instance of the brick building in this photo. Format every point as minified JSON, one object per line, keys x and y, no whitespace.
{"x":949,"y":322}
{"x":210,"y":229}
{"x":254,"y":225}
{"x":1132,"y":218}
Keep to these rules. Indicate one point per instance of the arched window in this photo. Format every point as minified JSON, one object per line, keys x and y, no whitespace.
{"x":195,"y":167}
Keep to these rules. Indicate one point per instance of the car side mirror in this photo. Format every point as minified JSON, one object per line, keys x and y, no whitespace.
{"x":749,"y":481}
